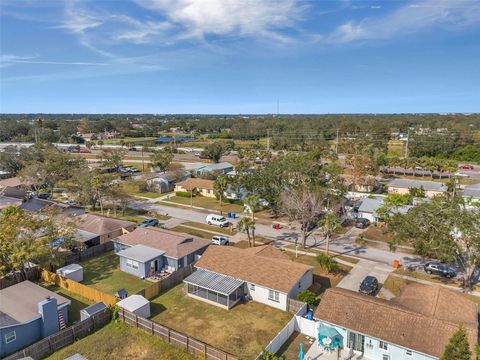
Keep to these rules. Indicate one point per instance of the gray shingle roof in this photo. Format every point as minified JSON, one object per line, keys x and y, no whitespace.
{"x":94,"y":308}
{"x":222,"y":284}
{"x":370,"y":205}
{"x":418,"y":184}
{"x":141,"y":253}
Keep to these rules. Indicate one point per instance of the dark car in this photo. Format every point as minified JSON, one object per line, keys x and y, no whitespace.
{"x":149,"y":222}
{"x":362,"y":223}
{"x":369,"y":285}
{"x":44,"y":196}
{"x":438,"y":268}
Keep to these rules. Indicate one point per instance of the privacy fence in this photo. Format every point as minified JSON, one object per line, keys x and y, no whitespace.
{"x":31,"y":274}
{"x":77,"y":288}
{"x":167,"y":283}
{"x":88,"y":253}
{"x":175,"y":338}
{"x":49,"y":345}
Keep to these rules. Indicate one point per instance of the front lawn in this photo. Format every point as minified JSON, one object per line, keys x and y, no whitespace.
{"x":78,"y":302}
{"x":103,"y":273}
{"x":216,"y":229}
{"x":242,"y":331}
{"x":194,"y":232}
{"x":118,"y":341}
{"x":207,"y":203}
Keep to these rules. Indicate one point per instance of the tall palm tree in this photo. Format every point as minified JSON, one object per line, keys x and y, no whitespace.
{"x":252,"y":202}
{"x":247,"y":225}
{"x":329,"y":224}
{"x":220,"y":186}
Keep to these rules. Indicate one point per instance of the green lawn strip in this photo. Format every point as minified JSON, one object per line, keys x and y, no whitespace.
{"x":432,"y":278}
{"x":216,"y":229}
{"x":103,"y":273}
{"x":317,"y":251}
{"x":242,"y":331}
{"x":207,"y":203}
{"x":78,"y":302}
{"x":194,"y":232}
{"x":118,"y":341}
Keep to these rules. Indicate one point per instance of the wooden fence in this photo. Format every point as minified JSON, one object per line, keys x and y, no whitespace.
{"x":89,"y":253}
{"x":175,"y":338}
{"x":294,"y":305}
{"x":32,"y":274}
{"x":167,"y":283}
{"x":49,"y":345}
{"x":77,"y":288}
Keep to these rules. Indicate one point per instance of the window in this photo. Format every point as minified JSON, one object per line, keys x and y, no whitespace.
{"x":133,"y":264}
{"x":385,"y":357}
{"x":409,"y":353}
{"x":383,"y":345}
{"x":252,"y":287}
{"x":273,"y":295}
{"x":10,"y":336}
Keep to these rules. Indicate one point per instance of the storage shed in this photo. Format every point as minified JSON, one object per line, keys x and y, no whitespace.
{"x":136,"y":304}
{"x":92,"y":310}
{"x":72,"y":271}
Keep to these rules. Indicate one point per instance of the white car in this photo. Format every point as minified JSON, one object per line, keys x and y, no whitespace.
{"x":220,"y":240}
{"x":217,"y":220}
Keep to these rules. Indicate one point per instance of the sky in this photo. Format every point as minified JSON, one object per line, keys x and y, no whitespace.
{"x":239,"y":56}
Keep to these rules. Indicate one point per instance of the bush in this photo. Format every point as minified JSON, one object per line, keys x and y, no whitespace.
{"x":307,"y":296}
{"x":186,"y":194}
{"x":327,"y":263}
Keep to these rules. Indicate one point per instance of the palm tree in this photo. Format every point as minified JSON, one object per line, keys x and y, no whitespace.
{"x":252,"y":201}
{"x":247,"y":225}
{"x":329,"y":223}
{"x":221,"y":186}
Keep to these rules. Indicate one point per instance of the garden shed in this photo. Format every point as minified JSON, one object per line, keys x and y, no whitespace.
{"x":92,"y":310}
{"x":73,"y":272}
{"x":136,"y":304}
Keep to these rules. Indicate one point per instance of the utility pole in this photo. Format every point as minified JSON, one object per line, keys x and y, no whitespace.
{"x":406,"y":144}
{"x":336,"y":144}
{"x":143,"y":161}
{"x":268,"y":142}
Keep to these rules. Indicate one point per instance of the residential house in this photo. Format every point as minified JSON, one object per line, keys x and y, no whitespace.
{"x":6,"y":201}
{"x":403,"y":186}
{"x":226,"y":274}
{"x":222,"y":168}
{"x":147,"y":251}
{"x":202,"y":187}
{"x":362,"y":184}
{"x":165,"y":182}
{"x":105,"y":227}
{"x":28,"y":313}
{"x":416,"y":325}
{"x":369,"y":207}
{"x":471,"y":194}
{"x":36,"y":205}
{"x":13,"y":182}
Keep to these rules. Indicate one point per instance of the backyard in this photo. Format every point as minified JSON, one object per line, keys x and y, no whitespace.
{"x":103,"y":273}
{"x":121,"y":341}
{"x":242,"y":331}
{"x":291,"y":348}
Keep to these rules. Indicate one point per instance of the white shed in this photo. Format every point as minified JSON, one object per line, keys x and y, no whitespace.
{"x":72,"y":271}
{"x":136,"y":304}
{"x":92,"y":310}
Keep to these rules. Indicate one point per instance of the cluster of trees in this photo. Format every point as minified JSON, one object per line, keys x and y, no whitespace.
{"x":427,"y":163}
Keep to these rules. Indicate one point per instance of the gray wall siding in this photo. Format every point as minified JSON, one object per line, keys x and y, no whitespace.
{"x":141,"y":271}
{"x":27,"y":333}
{"x":171,"y":262}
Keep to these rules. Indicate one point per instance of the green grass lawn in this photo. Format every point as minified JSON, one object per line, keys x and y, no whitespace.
{"x":133,"y":188}
{"x":194,"y":232}
{"x":118,"y":341}
{"x":207,"y":203}
{"x":78,"y":302}
{"x":242,"y":331}
{"x":317,"y":251}
{"x":216,"y":229}
{"x":103,"y":273}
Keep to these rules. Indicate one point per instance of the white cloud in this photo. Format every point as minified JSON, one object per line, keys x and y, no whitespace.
{"x":412,"y":18}
{"x":10,"y":59}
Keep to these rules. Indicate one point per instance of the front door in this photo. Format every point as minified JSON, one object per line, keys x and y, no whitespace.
{"x":356,"y":341}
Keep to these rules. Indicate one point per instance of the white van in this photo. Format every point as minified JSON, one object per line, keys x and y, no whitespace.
{"x":220,"y":240}
{"x":217,"y":220}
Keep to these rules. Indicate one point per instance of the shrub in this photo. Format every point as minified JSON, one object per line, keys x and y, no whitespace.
{"x":327,"y":263}
{"x":186,"y":194}
{"x":307,"y":296}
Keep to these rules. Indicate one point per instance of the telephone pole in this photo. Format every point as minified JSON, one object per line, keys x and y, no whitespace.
{"x":336,"y":144}
{"x":406,"y":144}
{"x":268,"y":142}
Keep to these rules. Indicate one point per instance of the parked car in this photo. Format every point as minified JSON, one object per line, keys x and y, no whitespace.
{"x":149,"y":222}
{"x":85,"y":151}
{"x":466,"y":167}
{"x":217,"y":220}
{"x":437,"y":268}
{"x":369,"y":285}
{"x":362,"y":223}
{"x":220,"y":240}
{"x":44,"y":196}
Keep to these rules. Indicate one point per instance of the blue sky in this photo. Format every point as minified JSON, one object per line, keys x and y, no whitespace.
{"x":239,"y":56}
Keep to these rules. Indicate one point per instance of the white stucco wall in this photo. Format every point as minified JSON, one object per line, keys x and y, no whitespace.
{"x":303,"y":284}
{"x":260,"y":294}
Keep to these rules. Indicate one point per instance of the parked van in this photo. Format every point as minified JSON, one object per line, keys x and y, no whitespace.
{"x":217,"y":220}
{"x":220,"y":240}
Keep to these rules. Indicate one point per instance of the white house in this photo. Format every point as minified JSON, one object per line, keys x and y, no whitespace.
{"x":416,"y":325}
{"x":369,"y":207}
{"x":226,"y":275}
{"x":403,"y":186}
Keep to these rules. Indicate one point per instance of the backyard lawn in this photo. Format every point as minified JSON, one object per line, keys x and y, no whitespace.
{"x":208,"y":203}
{"x":291,"y":348}
{"x":103,"y":273}
{"x":242,"y":331}
{"x":117,"y":341}
{"x":78,"y":302}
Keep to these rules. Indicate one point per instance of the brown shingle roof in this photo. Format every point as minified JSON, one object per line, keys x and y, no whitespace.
{"x":394,"y":322}
{"x":100,"y":224}
{"x":196,"y":183}
{"x":13,"y":182}
{"x":175,"y":245}
{"x":268,"y":251}
{"x":274,"y":273}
